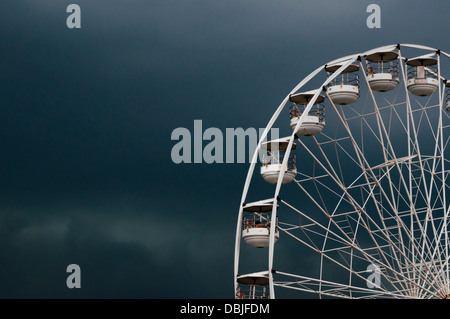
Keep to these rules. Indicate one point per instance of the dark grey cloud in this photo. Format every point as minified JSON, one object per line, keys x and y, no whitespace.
{"x":86,"y":175}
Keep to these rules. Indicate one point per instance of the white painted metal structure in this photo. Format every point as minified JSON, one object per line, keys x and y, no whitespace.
{"x":272,"y":163}
{"x":370,"y":189}
{"x":314,"y":123}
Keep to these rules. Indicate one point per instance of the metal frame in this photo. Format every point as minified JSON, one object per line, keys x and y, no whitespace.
{"x":393,"y":214}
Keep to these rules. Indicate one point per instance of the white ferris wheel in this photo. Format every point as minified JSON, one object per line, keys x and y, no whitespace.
{"x":352,"y":203}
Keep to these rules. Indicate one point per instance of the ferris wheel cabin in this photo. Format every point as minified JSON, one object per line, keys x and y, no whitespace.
{"x":256,"y":224}
{"x":382,"y":71}
{"x":422,"y":76}
{"x":314,"y":122}
{"x":343,"y":89}
{"x":273,"y":161}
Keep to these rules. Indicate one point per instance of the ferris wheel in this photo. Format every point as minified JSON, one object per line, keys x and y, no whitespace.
{"x":352,"y":202}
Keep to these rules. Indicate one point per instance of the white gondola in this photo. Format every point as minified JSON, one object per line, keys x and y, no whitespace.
{"x":382,"y":71}
{"x":314,"y":122}
{"x":272,"y":161}
{"x":253,"y":286}
{"x":344,"y":89}
{"x":422,"y":76}
{"x":256,"y":224}
{"x":447,"y":84}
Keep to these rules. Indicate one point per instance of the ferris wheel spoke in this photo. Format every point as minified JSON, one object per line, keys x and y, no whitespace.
{"x":359,"y":151}
{"x":415,"y":145}
{"x":330,"y":288}
{"x":443,"y":243}
{"x":364,"y":211}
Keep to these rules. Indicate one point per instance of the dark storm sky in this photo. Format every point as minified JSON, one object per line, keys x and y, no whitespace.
{"x":86,"y":118}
